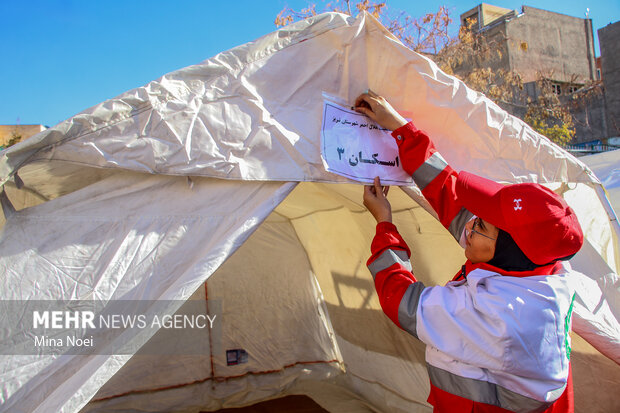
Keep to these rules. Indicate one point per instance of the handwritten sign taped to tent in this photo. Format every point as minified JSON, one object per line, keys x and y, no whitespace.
{"x":354,"y":146}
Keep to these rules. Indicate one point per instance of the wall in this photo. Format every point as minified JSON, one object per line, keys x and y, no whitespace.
{"x":558,"y":45}
{"x":609,"y":39}
{"x":7,"y":132}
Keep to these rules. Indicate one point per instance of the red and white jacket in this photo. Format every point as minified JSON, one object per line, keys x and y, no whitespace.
{"x":496,"y":341}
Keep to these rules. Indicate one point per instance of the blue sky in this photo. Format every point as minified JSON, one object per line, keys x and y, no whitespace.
{"x":60,"y":57}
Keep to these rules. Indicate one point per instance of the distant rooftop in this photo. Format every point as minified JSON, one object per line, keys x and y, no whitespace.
{"x":484,"y":14}
{"x":18,"y":132}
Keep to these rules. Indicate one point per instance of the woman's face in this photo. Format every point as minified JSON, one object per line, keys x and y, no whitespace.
{"x":480,"y":240}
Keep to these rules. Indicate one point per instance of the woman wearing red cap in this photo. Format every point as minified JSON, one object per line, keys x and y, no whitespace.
{"x":497,"y":335}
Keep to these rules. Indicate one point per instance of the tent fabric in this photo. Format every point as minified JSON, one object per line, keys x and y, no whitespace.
{"x":129,"y":247}
{"x":210,"y":179}
{"x":605,"y":167}
{"x":395,"y":380}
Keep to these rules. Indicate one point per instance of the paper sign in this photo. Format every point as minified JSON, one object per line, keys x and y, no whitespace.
{"x":354,"y":146}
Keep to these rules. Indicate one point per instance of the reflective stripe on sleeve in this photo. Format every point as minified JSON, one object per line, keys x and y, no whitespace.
{"x":429,"y":170}
{"x":458,"y":223}
{"x":408,"y":308}
{"x":487,"y":392}
{"x":387,"y":259}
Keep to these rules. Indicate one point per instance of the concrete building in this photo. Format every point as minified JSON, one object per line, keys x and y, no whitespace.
{"x":609,"y":41}
{"x":17,"y":133}
{"x":539,"y":44}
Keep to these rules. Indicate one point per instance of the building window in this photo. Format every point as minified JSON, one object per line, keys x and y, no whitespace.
{"x":572,"y":89}
{"x":471,"y":22}
{"x":557,"y":89}
{"x":598,"y":74}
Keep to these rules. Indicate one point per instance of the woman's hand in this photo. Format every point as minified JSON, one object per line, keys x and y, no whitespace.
{"x":379,"y":110}
{"x":376,"y":202}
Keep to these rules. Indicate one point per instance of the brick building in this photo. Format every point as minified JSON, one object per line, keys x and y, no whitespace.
{"x":609,"y":41}
{"x":540,"y":44}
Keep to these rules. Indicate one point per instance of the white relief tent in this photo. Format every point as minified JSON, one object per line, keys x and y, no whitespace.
{"x":209,"y":182}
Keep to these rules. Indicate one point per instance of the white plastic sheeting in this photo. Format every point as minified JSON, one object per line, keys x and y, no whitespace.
{"x":128,"y":237}
{"x":606,"y":166}
{"x":119,"y":218}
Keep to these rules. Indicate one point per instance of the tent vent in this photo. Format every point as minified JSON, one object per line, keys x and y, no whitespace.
{"x":236,"y":356}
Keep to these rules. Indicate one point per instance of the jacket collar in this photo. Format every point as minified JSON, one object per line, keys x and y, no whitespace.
{"x":553,"y":268}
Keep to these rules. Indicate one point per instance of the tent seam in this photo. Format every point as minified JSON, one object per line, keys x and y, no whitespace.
{"x":215,"y":378}
{"x":210,"y":336}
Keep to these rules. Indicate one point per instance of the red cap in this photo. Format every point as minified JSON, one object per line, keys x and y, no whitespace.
{"x":541,"y":223}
